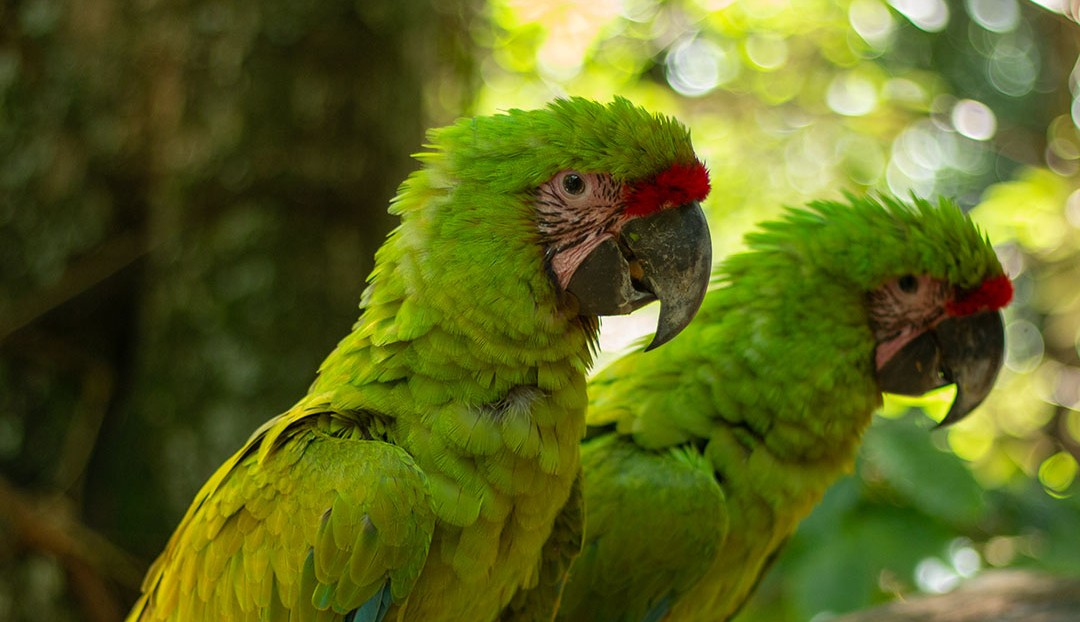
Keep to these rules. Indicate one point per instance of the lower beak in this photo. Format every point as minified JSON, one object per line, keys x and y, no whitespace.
{"x":666,"y":256}
{"x":966,"y":351}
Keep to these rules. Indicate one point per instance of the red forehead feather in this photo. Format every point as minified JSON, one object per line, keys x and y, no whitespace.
{"x":992,"y":295}
{"x":679,"y":184}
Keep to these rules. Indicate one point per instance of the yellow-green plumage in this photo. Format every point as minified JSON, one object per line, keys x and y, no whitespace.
{"x":702,"y":457}
{"x":425,"y":468}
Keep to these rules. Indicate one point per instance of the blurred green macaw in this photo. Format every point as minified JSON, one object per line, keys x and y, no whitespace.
{"x":702,"y":457}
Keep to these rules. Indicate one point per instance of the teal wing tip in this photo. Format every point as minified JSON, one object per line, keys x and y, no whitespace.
{"x":375,"y":609}
{"x":659,"y":610}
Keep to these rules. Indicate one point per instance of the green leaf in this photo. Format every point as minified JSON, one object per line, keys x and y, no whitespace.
{"x":935,"y":482}
{"x":844,"y":572}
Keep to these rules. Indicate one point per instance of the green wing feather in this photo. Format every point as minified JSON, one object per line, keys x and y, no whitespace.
{"x":317,"y":518}
{"x":654,"y":523}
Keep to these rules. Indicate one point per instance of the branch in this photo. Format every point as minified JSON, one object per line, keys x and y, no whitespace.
{"x":83,"y":274}
{"x":999,"y":596}
{"x":46,"y":524}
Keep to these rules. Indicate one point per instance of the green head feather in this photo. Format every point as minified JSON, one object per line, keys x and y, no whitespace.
{"x":521,"y":149}
{"x":872,"y":239}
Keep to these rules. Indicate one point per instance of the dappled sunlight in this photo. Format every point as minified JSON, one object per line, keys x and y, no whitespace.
{"x":974,"y":119}
{"x":928,"y":15}
{"x":697,"y":66}
{"x":792,"y":101}
{"x":844,"y":73}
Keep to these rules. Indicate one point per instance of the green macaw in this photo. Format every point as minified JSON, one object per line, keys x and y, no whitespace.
{"x":427,"y":464}
{"x":701,"y":458}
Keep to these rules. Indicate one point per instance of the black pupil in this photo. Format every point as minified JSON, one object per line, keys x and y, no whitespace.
{"x":908,"y":284}
{"x":573,"y":184}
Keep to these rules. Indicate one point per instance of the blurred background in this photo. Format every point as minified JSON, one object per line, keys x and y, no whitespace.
{"x":191,"y":194}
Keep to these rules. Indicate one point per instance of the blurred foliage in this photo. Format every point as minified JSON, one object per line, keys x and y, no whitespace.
{"x":791,"y":100}
{"x":192,"y":193}
{"x":190,"y":198}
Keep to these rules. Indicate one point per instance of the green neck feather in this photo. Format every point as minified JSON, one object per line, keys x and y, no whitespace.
{"x":454,"y":311}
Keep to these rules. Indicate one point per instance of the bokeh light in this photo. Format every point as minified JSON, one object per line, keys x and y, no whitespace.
{"x":1014,"y":65}
{"x":1058,"y":472}
{"x":974,"y":119}
{"x":766,"y":51}
{"x":929,"y":15}
{"x":873,"y":22}
{"x":934,"y":576}
{"x":1025,"y":346}
{"x":696,"y":66}
{"x":852,"y":95}
{"x":994,"y":15}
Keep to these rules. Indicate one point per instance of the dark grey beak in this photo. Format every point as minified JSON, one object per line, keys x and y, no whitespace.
{"x":666,"y":256}
{"x":966,"y":351}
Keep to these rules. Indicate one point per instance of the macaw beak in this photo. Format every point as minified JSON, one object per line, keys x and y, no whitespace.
{"x":666,"y":256}
{"x":966,"y":351}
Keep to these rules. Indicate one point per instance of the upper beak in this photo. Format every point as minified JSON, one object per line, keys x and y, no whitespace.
{"x":666,"y":256}
{"x":966,"y":351}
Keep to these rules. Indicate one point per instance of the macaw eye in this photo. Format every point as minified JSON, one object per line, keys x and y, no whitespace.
{"x":573,"y":184}
{"x":908,"y":284}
